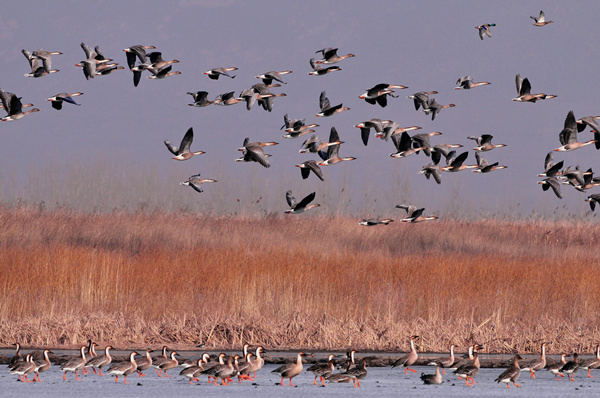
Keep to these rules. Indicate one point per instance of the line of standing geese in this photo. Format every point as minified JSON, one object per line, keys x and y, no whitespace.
{"x":139,"y":61}
{"x":245,"y":366}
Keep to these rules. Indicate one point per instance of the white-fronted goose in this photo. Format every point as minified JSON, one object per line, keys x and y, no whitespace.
{"x":58,"y":99}
{"x":421,"y":99}
{"x":403,"y":146}
{"x":183,"y":151}
{"x":415,"y":215}
{"x":378,"y":93}
{"x":568,"y":135}
{"x":100,"y":361}
{"x":330,"y":56}
{"x":434,"y":378}
{"x":365,"y":127}
{"x":13,"y":106}
{"x":540,"y":20}
{"x":433,"y":108}
{"x":358,"y":373}
{"x":46,"y":57}
{"x":74,"y":365}
{"x":299,"y":207}
{"x":455,"y":163}
{"x":307,"y":167}
{"x":319,"y":70}
{"x":432,"y":169}
{"x":484,"y":143}
{"x":422,"y":140}
{"x":591,"y":363}
{"x":162,"y":73}
{"x":200,"y":99}
{"x":375,"y":221}
{"x":571,"y":367}
{"x":410,"y":358}
{"x":524,"y":91}
{"x":253,"y":152}
{"x":551,"y":182}
{"x":315,"y":145}
{"x":227,"y":98}
{"x":466,"y":83}
{"x":37,"y":68}
{"x":322,"y":370}
{"x":268,"y":77}
{"x":470,"y":370}
{"x":215,"y":73}
{"x":138,"y":51}
{"x":157,"y":62}
{"x":332,"y":156}
{"x":224,"y":371}
{"x":124,"y":368}
{"x":593,"y":200}
{"x":485,"y":30}
{"x":484,"y":166}
{"x":551,"y":169}
{"x":195,"y":181}
{"x":290,"y":370}
{"x":327,"y":109}
{"x":42,"y":365}
{"x":393,"y":128}
{"x":511,"y":374}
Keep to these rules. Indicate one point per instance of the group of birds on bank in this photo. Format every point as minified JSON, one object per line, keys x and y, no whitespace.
{"x":405,"y":144}
{"x":245,"y":366}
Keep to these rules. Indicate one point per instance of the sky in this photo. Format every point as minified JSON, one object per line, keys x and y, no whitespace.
{"x":109,"y":154}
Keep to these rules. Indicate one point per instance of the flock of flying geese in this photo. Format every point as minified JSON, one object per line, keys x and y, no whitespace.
{"x":245,"y":366}
{"x":139,"y":61}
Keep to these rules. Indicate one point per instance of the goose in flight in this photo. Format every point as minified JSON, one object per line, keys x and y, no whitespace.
{"x":299,"y":207}
{"x":268,"y":77}
{"x":485,"y":30}
{"x":58,"y":99}
{"x":318,"y":70}
{"x":183,"y":151}
{"x":568,"y":135}
{"x":524,"y":91}
{"x":13,"y":107}
{"x":375,"y":221}
{"x":308,"y":166}
{"x":195,"y":181}
{"x":253,"y":152}
{"x":330,"y":56}
{"x":327,"y":109}
{"x":218,"y":72}
{"x":540,"y":20}
{"x":414,"y":215}
{"x":466,"y":83}
{"x":484,"y":143}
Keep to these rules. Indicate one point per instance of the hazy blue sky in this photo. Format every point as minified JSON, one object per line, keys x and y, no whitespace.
{"x":109,"y":151}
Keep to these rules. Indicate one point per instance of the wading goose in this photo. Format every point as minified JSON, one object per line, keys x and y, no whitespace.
{"x":124,"y":368}
{"x":268,"y":77}
{"x":571,"y":367}
{"x":58,"y":99}
{"x":290,"y":370}
{"x":195,"y":181}
{"x":144,"y":363}
{"x":319,"y":70}
{"x":331,"y":156}
{"x":25,"y":368}
{"x":307,"y":167}
{"x":358,"y":373}
{"x":410,"y":358}
{"x":365,"y":127}
{"x":322,"y":370}
{"x":568,"y":135}
{"x":466,"y":83}
{"x":592,"y":363}
{"x":183,"y":151}
{"x":421,"y":99}
{"x":378,"y":93}
{"x":42,"y":365}
{"x":551,"y":182}
{"x":100,"y":361}
{"x":484,"y":143}
{"x":315,"y":145}
{"x":540,"y":20}
{"x":511,"y":374}
{"x":74,"y":365}
{"x":533,"y":365}
{"x":470,"y":370}
{"x":434,"y":378}
{"x":433,"y":108}
{"x":484,"y":166}
{"x":524,"y":91}
{"x":444,"y":362}
{"x":375,"y":221}
{"x":593,"y":200}
{"x":200,"y":99}
{"x":253,"y":152}
{"x":485,"y":30}
{"x":299,"y":207}
{"x":415,"y":215}
{"x":218,"y":72}
{"x":13,"y":106}
{"x":326,"y":108}
{"x":404,"y":146}
{"x":555,"y":369}
{"x":330,"y":56}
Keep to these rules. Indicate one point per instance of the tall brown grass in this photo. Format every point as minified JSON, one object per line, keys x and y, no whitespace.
{"x":295,"y":281}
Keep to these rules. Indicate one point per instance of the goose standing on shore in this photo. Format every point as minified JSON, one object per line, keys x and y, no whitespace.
{"x":42,"y":365}
{"x":409,"y":359}
{"x":511,"y":374}
{"x":444,"y":362}
{"x":290,"y":370}
{"x":533,"y":365}
{"x":591,"y":363}
{"x":571,"y":367}
{"x":322,"y":370}
{"x":74,"y":365}
{"x":124,"y":368}
{"x":100,"y":361}
{"x":434,"y":378}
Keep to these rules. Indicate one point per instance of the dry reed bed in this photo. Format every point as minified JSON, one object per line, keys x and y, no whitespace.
{"x":295,"y":281}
